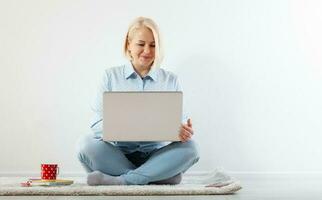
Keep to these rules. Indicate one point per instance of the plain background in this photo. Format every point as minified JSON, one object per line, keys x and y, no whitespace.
{"x":251,"y":72}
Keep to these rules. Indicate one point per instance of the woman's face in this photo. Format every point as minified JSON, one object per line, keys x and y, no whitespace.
{"x":142,"y":47}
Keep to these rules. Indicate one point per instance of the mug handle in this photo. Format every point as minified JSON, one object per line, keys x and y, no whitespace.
{"x":57,"y":171}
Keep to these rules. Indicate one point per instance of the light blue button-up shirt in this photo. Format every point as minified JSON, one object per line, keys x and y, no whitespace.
{"x":124,"y":78}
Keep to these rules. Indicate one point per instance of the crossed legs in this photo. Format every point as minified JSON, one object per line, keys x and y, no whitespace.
{"x":164,"y":166}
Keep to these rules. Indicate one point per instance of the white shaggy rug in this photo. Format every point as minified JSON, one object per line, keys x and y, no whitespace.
{"x":219,"y":183}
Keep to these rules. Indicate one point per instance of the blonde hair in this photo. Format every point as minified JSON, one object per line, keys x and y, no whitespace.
{"x":150,"y":24}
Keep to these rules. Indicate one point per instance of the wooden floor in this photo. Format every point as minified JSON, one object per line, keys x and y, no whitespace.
{"x":256,"y":189}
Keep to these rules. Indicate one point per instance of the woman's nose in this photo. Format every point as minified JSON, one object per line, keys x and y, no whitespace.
{"x":147,"y":49}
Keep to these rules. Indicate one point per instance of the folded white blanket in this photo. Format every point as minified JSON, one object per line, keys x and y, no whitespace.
{"x":217,"y":178}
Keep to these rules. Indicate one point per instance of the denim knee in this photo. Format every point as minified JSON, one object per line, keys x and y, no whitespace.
{"x":84,"y":144}
{"x":191,"y":150}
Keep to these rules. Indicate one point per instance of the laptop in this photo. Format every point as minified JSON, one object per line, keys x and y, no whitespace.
{"x":142,"y":116}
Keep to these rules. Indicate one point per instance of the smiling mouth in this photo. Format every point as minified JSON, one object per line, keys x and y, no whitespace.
{"x":146,"y":58}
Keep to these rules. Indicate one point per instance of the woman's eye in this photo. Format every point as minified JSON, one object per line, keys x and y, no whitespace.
{"x":142,"y":45}
{"x":152,"y":45}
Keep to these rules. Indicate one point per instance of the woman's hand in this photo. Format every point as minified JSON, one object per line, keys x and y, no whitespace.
{"x":186,"y":131}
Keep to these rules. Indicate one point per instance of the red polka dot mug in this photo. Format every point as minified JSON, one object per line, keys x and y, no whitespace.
{"x":49,"y":171}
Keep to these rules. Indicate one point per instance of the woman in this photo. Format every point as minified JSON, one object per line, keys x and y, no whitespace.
{"x":137,"y":163}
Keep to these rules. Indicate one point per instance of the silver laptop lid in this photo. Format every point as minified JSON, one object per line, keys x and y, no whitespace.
{"x":142,"y":116}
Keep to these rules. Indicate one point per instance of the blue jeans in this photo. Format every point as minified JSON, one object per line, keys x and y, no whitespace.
{"x":138,"y":168}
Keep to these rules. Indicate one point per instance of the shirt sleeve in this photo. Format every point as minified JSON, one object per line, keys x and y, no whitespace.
{"x":184,"y":111}
{"x":97,"y":106}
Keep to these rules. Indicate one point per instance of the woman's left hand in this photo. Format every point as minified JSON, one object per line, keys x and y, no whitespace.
{"x":186,"y":131}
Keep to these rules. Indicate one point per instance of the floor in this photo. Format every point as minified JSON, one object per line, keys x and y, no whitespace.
{"x":253,"y":189}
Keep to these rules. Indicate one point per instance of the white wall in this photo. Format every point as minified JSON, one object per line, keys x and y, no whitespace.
{"x":251,"y":70}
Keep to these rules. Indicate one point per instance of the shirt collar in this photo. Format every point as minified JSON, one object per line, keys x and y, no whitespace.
{"x":129,"y":72}
{"x":153,"y":73}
